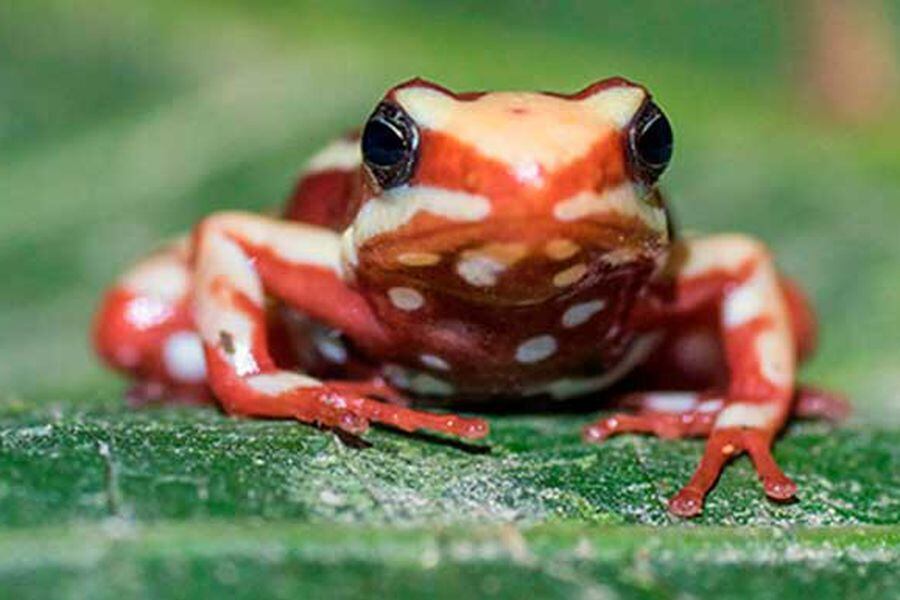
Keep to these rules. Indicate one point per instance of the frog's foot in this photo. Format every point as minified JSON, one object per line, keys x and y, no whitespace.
{"x":724,"y":444}
{"x":688,"y":414}
{"x":672,"y":415}
{"x":345,"y":405}
{"x":394,"y":410}
{"x":375,"y":387}
{"x":668,"y":415}
{"x":814,"y":403}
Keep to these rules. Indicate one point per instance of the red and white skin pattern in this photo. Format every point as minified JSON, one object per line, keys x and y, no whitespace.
{"x":522,"y":258}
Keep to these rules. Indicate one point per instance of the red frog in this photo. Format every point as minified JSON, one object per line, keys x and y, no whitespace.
{"x":501,"y":247}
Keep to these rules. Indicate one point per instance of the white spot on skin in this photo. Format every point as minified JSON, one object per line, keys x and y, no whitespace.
{"x":396,"y":375}
{"x":776,"y":358}
{"x":569,"y":276}
{"x":620,"y":200}
{"x":397,"y":206}
{"x":536,"y":349}
{"x":342,"y":154}
{"x":145,"y":311}
{"x":406,"y":298}
{"x":293,"y":242}
{"x":747,"y":415}
{"x":579,"y":314}
{"x":529,"y":173}
{"x":480,"y":271}
{"x":274,"y":384}
{"x":163,"y":278}
{"x":424,"y":383}
{"x":332,"y":349}
{"x":418,"y":259}
{"x":221,"y":258}
{"x":749,"y":300}
{"x":726,"y":252}
{"x":561,"y":249}
{"x":435,"y":362}
{"x":709,"y":406}
{"x":183,"y":357}
{"x":670,"y":402}
{"x":349,"y":256}
{"x":572,"y":387}
{"x":620,"y":256}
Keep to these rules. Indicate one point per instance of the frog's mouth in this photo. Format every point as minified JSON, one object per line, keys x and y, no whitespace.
{"x":513,"y":262}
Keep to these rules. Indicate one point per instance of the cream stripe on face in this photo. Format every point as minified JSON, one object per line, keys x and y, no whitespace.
{"x":396,"y":207}
{"x":342,"y":154}
{"x":524,"y":129}
{"x":620,"y":200}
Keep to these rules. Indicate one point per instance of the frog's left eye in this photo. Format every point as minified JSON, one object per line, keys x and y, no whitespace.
{"x":390,"y":141}
{"x":650,"y":143}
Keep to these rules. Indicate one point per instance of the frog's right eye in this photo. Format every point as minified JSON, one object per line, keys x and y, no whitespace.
{"x":390,"y":141}
{"x":650,"y":143}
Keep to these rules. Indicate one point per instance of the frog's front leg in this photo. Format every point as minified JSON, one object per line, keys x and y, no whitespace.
{"x":735,"y":276}
{"x":238,"y":259}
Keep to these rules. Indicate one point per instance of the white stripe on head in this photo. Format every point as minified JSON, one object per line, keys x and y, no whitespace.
{"x":617,"y":103}
{"x":397,"y":207}
{"x":620,"y":200}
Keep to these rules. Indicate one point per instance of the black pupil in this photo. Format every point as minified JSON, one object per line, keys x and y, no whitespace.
{"x":382,"y":143}
{"x":654,"y":143}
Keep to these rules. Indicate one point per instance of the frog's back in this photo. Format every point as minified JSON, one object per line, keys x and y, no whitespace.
{"x":327,"y":190}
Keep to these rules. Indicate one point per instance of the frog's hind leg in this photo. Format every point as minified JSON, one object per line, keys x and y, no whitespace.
{"x":144,"y":329}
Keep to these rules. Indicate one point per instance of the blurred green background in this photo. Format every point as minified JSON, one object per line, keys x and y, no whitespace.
{"x":122,"y":123}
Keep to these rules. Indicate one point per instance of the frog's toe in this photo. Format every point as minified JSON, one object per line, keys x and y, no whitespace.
{"x":777,"y":485}
{"x":395,"y":412}
{"x":687,"y":503}
{"x":663,"y":425}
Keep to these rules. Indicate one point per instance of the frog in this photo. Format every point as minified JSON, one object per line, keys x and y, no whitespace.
{"x":467,"y":249}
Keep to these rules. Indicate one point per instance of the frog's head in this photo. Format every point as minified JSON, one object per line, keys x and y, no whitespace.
{"x":510,"y":197}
